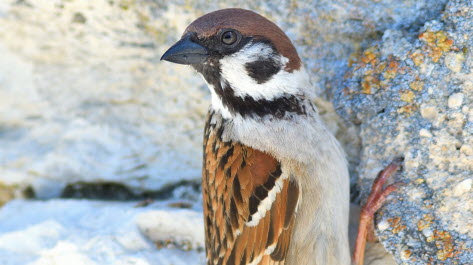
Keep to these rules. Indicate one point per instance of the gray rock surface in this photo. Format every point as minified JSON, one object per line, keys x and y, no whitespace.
{"x":412,"y":95}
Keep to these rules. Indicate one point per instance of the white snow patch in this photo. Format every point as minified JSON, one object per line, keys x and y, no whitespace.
{"x":82,"y":232}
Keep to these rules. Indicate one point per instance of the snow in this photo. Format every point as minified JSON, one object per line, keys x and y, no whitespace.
{"x":84,"y":232}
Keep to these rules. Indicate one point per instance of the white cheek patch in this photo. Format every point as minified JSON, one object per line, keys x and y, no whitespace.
{"x":217,"y":104}
{"x":234,"y":72}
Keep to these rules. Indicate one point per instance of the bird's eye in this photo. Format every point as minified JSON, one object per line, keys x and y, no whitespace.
{"x":229,"y":37}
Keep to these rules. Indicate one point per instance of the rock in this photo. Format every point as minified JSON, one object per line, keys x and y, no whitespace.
{"x":83,"y":98}
{"x":455,"y":100}
{"x":188,"y":190}
{"x":411,"y":97}
{"x":375,"y":254}
{"x":6,"y":194}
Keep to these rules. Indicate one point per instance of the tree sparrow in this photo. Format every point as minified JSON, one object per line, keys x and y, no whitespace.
{"x":275,"y":181}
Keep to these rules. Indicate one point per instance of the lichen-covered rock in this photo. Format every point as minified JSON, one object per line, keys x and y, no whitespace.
{"x":412,"y":96}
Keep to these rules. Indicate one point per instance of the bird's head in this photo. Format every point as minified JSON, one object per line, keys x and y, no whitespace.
{"x":249,"y":63}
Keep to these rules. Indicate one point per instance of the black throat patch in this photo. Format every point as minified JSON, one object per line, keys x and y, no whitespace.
{"x":249,"y":107}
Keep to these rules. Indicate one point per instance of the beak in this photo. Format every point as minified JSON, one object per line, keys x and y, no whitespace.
{"x":186,"y":52}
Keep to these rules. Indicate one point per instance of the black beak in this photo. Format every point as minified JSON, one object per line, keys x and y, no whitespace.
{"x":186,"y":52}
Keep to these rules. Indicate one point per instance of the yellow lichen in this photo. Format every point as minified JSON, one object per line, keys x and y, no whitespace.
{"x":125,"y":4}
{"x":7,"y":193}
{"x":408,"y":109}
{"x":369,"y":83}
{"x":380,"y":67}
{"x":370,"y":56}
{"x":392,"y":70}
{"x":406,"y":254}
{"x":425,"y":222}
{"x":417,"y":57}
{"x":444,"y":243}
{"x":417,"y":85}
{"x":437,"y":43}
{"x":353,"y":58}
{"x":396,"y":225}
{"x":419,"y":180}
{"x":407,"y":96}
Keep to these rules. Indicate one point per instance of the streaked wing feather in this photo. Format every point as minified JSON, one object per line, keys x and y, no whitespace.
{"x":240,"y":227}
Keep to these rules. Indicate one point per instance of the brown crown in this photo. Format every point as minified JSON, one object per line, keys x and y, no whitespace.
{"x":247,"y":23}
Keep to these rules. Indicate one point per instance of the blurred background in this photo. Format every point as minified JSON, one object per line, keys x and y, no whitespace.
{"x":100,"y":142}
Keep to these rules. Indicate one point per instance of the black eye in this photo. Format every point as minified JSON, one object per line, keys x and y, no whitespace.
{"x":229,"y":37}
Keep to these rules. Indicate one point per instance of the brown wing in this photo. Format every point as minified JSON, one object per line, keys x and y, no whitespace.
{"x":249,"y":204}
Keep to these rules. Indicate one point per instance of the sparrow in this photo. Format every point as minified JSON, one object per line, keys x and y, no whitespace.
{"x":275,"y":182}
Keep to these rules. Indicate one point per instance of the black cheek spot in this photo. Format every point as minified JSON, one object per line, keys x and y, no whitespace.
{"x":263,"y":69}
